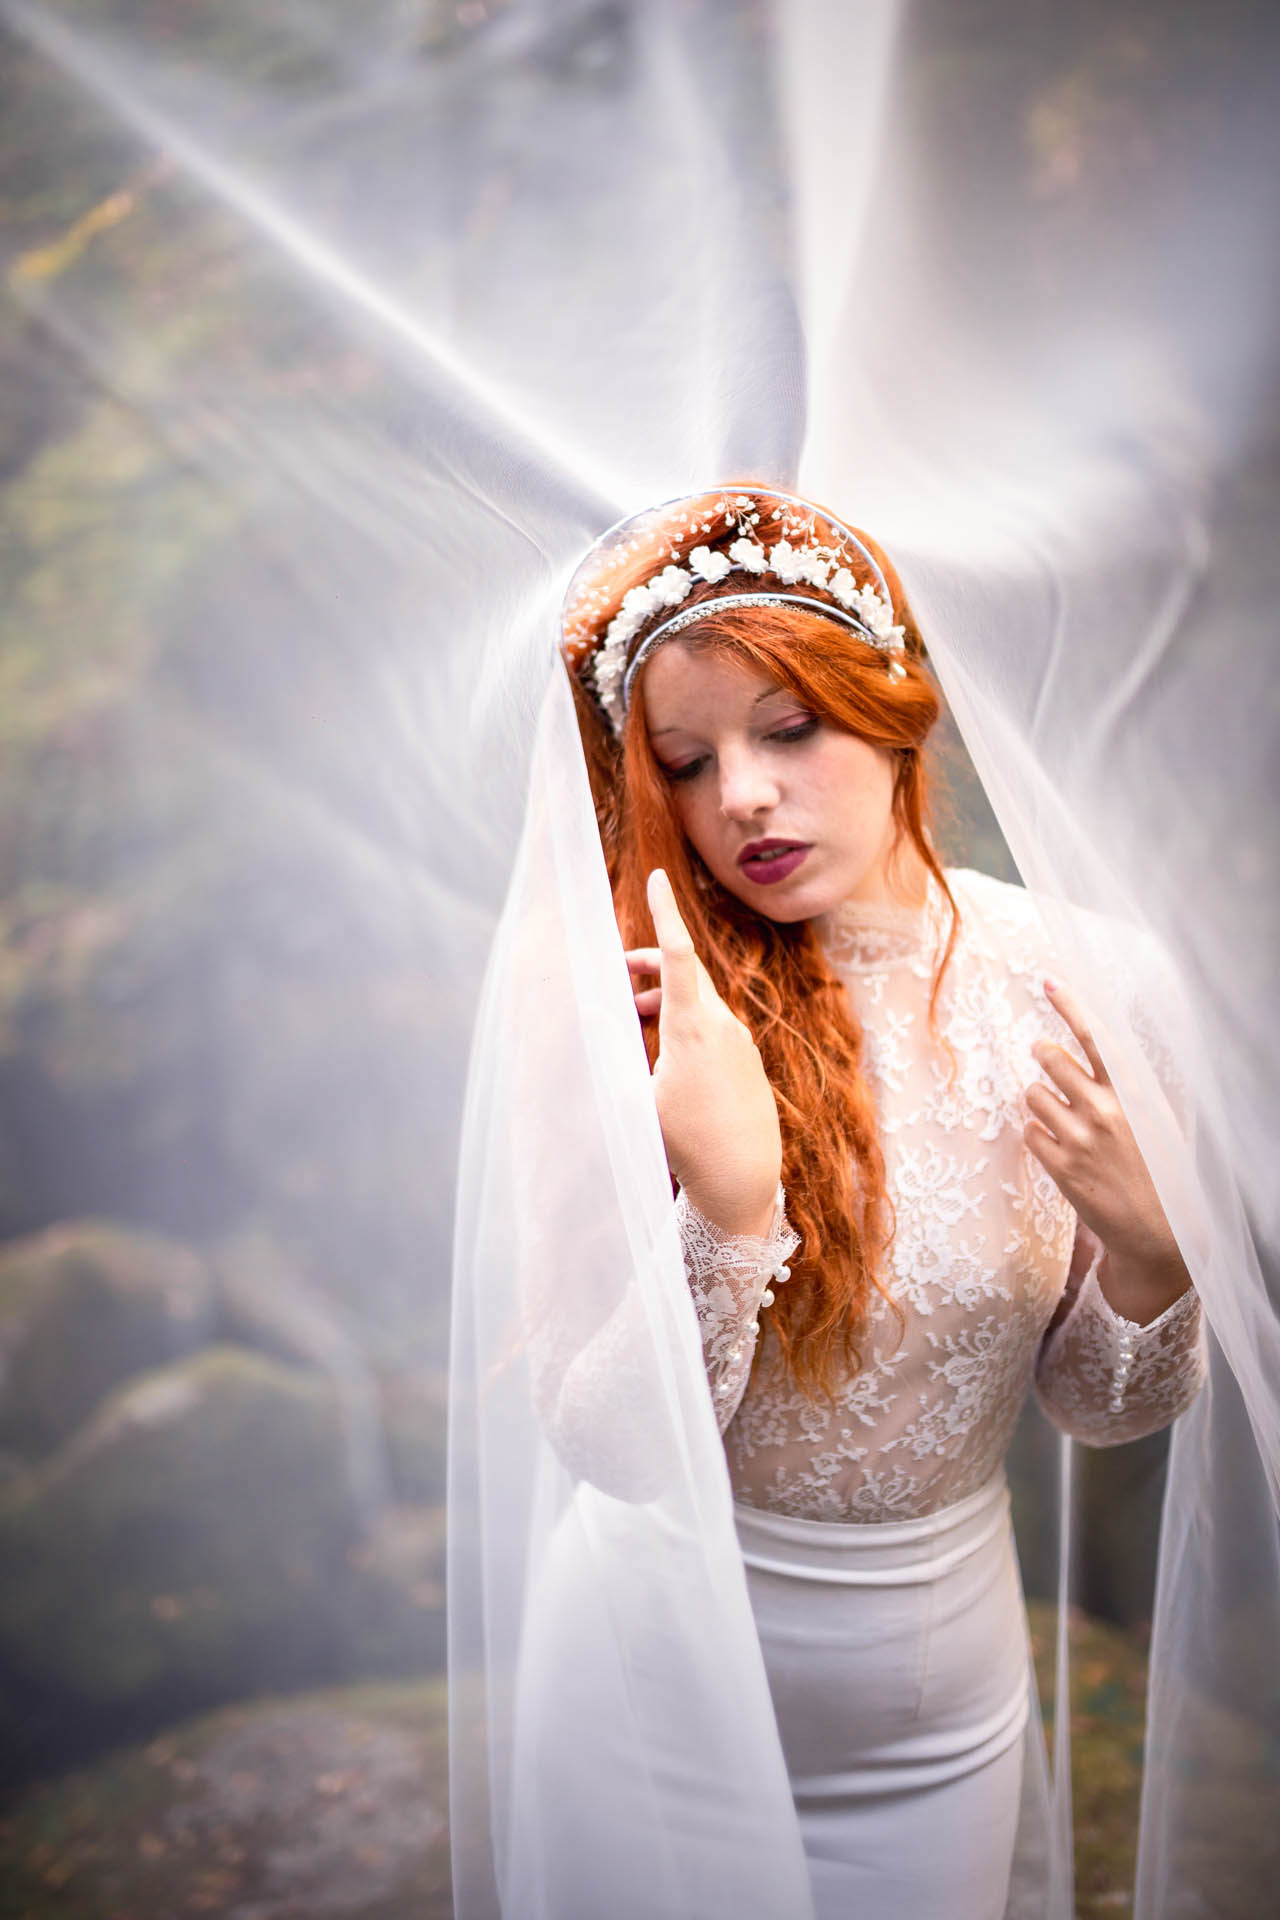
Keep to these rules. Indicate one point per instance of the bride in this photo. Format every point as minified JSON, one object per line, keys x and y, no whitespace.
{"x":907,"y":1193}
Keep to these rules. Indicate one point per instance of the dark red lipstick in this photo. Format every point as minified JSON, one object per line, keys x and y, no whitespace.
{"x":768,"y":861}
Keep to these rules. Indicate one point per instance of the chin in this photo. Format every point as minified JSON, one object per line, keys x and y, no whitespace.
{"x":787,"y":904}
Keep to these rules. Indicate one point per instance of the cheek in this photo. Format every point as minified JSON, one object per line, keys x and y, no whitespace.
{"x":854,"y":793}
{"x":697,"y":816}
{"x":862,"y":776}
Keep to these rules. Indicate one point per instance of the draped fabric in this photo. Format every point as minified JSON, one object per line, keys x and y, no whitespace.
{"x":400,"y":306}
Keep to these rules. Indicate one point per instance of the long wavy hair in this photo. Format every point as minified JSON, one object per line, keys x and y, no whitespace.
{"x":775,"y":977}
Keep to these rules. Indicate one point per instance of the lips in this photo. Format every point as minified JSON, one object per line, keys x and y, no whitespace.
{"x":766,"y":862}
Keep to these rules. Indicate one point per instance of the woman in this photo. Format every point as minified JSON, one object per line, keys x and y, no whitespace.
{"x":892,"y":1227}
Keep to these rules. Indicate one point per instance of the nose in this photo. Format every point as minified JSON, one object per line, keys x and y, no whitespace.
{"x":748,"y":787}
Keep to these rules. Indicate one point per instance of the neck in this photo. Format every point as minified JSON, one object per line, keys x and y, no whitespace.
{"x":899,"y":878}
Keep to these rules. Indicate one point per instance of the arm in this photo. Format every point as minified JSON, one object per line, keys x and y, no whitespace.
{"x":1104,"y":1378}
{"x":723,"y":1141}
{"x":1124,"y":1354}
{"x":729,"y":1278}
{"x":595,"y":1391}
{"x":595,"y":1385}
{"x":717,"y":1112}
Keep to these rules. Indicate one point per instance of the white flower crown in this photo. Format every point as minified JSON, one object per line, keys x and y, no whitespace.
{"x":865,"y":610}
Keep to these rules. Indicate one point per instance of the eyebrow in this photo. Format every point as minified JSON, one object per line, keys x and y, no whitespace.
{"x":758,"y":701}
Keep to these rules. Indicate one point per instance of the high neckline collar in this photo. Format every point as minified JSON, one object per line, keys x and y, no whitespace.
{"x":874,"y":933}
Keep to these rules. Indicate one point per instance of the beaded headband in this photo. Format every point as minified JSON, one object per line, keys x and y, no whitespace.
{"x":814,"y":551}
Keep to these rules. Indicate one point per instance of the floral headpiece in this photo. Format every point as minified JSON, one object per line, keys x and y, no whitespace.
{"x":812,"y":550}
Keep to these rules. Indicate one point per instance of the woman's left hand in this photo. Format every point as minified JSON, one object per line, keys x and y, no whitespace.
{"x":1079,"y":1134}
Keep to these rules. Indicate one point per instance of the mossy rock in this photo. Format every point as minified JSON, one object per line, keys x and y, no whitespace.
{"x":396,"y":1606}
{"x":266,"y":1302}
{"x":325,"y":1804}
{"x":83,"y":1306}
{"x":188,"y":1538}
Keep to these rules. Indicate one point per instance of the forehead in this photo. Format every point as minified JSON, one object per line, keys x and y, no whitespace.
{"x":687,"y":684}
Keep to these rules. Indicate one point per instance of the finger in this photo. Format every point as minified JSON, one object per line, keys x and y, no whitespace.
{"x":1072,"y":1012}
{"x":1038,"y":1140}
{"x":1054,"y":1115}
{"x":679,"y":962}
{"x":648,"y":1002}
{"x":644,"y":960}
{"x":1064,"y":1070}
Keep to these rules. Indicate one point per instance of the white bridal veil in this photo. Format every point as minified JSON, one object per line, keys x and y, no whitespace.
{"x":400,"y":305}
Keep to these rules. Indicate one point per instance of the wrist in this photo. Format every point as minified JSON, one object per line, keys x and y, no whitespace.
{"x":1140,"y":1290}
{"x":756,"y":1226}
{"x":736,"y":1218}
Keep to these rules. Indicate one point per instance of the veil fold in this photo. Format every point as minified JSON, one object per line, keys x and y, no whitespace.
{"x":633,"y":1763}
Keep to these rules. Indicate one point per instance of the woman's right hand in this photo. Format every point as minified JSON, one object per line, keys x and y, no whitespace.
{"x":716,"y":1108}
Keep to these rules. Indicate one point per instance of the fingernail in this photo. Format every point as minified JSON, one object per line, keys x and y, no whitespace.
{"x":1052,"y":984}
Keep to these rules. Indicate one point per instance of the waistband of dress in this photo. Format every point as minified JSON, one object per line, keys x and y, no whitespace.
{"x":879,"y":1552}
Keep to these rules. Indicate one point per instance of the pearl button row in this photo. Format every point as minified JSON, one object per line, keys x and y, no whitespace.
{"x":734,"y":1355}
{"x":1124,"y":1366}
{"x":779,"y":1274}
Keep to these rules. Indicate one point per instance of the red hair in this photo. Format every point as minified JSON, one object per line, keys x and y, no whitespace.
{"x":775,"y":977}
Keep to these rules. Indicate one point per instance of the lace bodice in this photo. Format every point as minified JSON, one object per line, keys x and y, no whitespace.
{"x":983,"y":1248}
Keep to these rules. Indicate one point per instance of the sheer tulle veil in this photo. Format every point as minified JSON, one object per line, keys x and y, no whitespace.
{"x":461,"y":286}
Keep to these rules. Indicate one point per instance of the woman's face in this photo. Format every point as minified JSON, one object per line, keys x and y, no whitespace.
{"x":789,"y":812}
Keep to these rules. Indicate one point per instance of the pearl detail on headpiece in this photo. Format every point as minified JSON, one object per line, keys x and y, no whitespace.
{"x":799,"y":560}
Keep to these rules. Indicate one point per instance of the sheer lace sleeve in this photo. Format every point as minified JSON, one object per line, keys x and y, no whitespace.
{"x":594,"y":1395}
{"x":1103,"y":1379}
{"x":729,"y":1278}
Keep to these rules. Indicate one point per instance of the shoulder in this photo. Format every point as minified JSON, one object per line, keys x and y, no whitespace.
{"x":1006,"y":932}
{"x":1012,"y":920}
{"x":1000,"y":918}
{"x":1005,"y":952}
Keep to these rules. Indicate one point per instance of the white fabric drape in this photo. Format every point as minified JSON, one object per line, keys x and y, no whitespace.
{"x":633,"y":1762}
{"x":997,"y":282}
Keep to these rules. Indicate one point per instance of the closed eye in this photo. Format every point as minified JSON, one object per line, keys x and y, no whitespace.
{"x":687,"y":771}
{"x":797,"y":731}
{"x":800,"y":731}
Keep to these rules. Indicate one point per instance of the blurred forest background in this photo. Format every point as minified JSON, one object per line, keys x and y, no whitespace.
{"x":228,"y":1101}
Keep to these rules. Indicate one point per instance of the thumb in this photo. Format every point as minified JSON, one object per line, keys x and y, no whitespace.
{"x":679,"y":966}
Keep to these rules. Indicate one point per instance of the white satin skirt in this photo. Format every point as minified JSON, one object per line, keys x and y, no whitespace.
{"x":897,"y":1659}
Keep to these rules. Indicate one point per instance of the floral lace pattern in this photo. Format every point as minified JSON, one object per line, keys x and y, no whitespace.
{"x":1115,"y":1380}
{"x":981,"y":1253}
{"x":729,"y":1279}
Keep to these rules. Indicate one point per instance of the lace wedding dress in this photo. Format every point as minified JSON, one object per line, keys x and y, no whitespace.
{"x":982,"y":1250}
{"x":875,"y":1528}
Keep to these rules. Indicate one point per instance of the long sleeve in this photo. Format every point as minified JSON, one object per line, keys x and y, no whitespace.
{"x":1104,"y":1379}
{"x":729,"y":1278}
{"x":594,"y":1395}
{"x":594,"y":1381}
